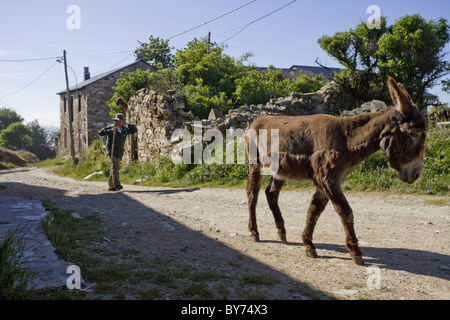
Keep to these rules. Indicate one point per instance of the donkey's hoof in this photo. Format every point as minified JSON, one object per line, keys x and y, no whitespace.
{"x":255,"y":237}
{"x":282,"y":237}
{"x":358,"y":260}
{"x":311,"y":253}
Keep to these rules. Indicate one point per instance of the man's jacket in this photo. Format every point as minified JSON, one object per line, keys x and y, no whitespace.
{"x":119,"y":140}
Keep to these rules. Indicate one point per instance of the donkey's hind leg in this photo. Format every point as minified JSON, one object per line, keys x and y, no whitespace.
{"x":272,"y":194}
{"x":253,"y":187}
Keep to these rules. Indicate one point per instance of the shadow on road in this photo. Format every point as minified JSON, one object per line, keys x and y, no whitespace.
{"x":152,"y":236}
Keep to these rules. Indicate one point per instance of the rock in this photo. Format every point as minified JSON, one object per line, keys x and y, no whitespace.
{"x":92,"y":174}
{"x":215,"y":114}
{"x":375,"y":105}
{"x":190,"y":115}
{"x":283,"y":102}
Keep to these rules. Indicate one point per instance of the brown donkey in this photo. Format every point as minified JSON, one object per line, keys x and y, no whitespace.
{"x":325,"y":149}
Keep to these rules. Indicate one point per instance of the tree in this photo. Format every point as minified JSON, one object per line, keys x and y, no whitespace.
{"x":15,"y":136}
{"x":36,"y":133}
{"x":208,"y":76}
{"x":204,"y":60}
{"x":413,"y":52}
{"x":7,"y":117}
{"x":156,"y":52}
{"x":258,"y":87}
{"x":446,"y":85}
{"x":128,"y":84}
{"x":410,"y":50}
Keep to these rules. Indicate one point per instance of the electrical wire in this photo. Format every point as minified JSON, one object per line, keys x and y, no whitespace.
{"x":27,"y":60}
{"x":209,"y":21}
{"x":40,"y":76}
{"x":270,"y":13}
{"x":26,"y":114}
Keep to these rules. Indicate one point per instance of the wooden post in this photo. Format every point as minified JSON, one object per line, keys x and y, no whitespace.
{"x":70,"y":110}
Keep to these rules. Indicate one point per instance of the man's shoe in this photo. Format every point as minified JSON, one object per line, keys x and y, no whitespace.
{"x":112,"y":189}
{"x":119,"y":187}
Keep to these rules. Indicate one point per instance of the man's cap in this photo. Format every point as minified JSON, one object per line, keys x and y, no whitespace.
{"x":119,"y":116}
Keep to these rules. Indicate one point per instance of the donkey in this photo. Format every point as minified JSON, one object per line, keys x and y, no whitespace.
{"x":324,"y":149}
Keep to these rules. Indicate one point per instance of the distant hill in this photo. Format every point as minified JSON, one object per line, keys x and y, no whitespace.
{"x":19,"y":158}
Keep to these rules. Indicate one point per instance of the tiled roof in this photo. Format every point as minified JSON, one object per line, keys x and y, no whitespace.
{"x":99,"y":76}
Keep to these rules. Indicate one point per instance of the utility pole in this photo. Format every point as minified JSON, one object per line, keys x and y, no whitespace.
{"x":209,"y":41}
{"x":70,"y":109}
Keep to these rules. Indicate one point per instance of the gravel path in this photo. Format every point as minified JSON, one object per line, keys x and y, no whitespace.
{"x":404,"y":238}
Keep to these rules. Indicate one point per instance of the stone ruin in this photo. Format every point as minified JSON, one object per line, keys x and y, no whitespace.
{"x":158,"y":115}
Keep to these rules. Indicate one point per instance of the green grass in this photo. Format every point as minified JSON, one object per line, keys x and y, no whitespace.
{"x":15,"y":274}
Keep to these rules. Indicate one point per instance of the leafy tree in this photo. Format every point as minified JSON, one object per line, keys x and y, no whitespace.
{"x":206,"y":61}
{"x":208,"y":78}
{"x":258,"y":87}
{"x":126,"y":86}
{"x":446,"y":85}
{"x":413,"y":52}
{"x":7,"y":117}
{"x":36,"y":133}
{"x":410,"y":50}
{"x":156,"y":52}
{"x":15,"y":136}
{"x":356,"y":49}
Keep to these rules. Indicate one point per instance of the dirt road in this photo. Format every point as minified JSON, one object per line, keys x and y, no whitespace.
{"x":404,"y":238}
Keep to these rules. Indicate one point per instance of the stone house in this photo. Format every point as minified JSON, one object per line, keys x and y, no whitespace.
{"x":89,"y":109}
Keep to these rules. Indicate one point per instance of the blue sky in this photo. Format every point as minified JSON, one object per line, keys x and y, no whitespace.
{"x":109,"y":32}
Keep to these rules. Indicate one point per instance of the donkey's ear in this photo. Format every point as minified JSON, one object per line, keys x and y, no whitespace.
{"x":401,"y":98}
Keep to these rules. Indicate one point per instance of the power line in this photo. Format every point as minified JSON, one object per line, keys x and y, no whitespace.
{"x":26,"y":114}
{"x":100,"y":54}
{"x":270,"y":13}
{"x":209,"y":21}
{"x":40,"y":76}
{"x":27,"y":60}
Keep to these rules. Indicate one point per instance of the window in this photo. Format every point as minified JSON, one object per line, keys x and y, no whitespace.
{"x":79,"y":102}
{"x":71,"y":108}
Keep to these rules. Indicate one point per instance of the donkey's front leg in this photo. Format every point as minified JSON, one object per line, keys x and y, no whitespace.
{"x":272,"y":194}
{"x":346,"y":214}
{"x":316,"y":207}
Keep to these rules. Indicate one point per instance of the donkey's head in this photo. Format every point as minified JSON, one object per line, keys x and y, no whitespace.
{"x":403,"y":141}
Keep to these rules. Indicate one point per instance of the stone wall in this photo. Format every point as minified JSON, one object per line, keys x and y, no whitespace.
{"x":156,"y":117}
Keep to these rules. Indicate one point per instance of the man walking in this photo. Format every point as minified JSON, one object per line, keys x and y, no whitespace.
{"x":115,"y":142}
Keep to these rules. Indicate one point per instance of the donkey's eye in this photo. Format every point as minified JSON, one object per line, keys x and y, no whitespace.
{"x":414,"y":135}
